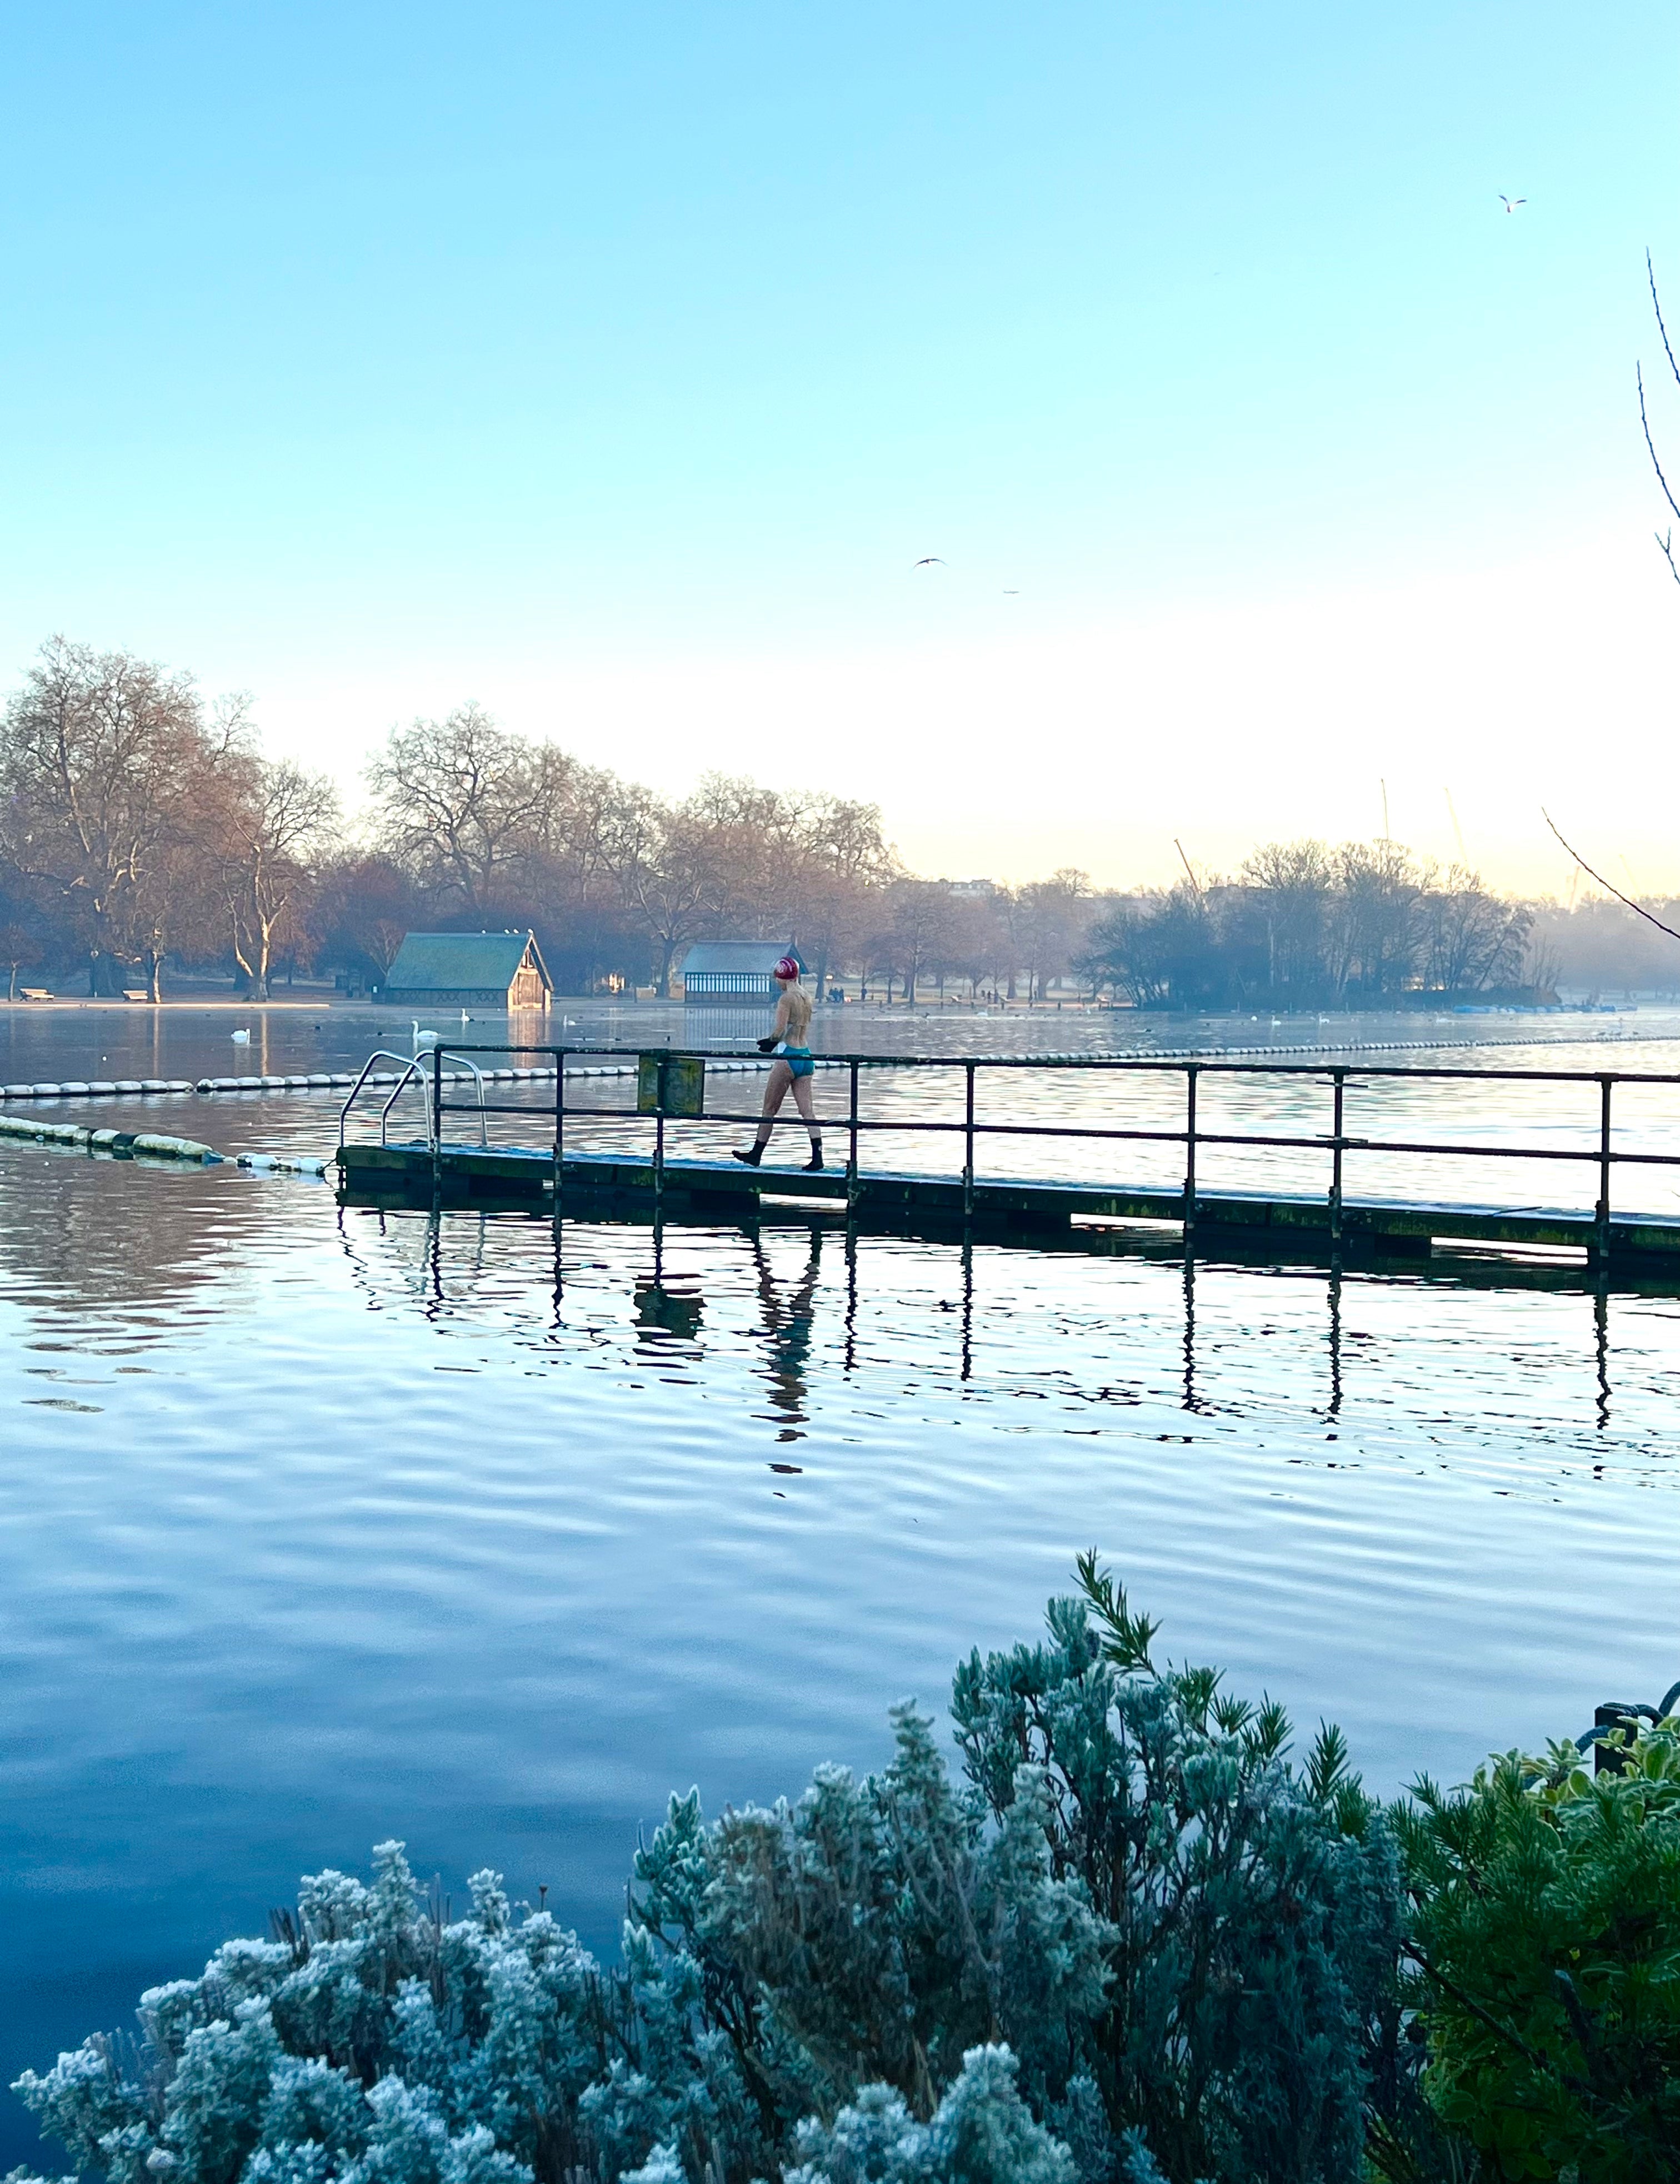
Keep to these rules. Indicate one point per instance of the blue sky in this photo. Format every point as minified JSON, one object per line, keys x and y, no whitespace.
{"x":615,"y":365}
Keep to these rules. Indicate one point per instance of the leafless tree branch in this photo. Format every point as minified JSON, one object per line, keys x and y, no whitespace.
{"x":1639,"y":381}
{"x":1637,"y":910}
{"x":1651,"y":275}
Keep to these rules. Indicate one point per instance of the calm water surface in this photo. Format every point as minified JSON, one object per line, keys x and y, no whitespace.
{"x":321,"y":1525}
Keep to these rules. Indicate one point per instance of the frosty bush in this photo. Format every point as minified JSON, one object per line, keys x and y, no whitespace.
{"x":1134,"y":1943}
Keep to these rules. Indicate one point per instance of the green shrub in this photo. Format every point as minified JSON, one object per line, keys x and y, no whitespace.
{"x":1546,"y":1937}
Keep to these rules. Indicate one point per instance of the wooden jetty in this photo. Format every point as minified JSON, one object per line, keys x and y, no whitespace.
{"x":671,"y":1089}
{"x":689,"y":1190}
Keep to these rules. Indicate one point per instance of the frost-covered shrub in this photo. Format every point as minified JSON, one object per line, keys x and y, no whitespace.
{"x":1132,"y":1945}
{"x":880,"y":1929}
{"x":982,"y":2132}
{"x":1252,"y":1914}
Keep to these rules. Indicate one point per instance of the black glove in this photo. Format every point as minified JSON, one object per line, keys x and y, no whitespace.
{"x":769,"y":1045}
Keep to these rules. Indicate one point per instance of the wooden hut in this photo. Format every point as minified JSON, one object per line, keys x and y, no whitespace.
{"x":468,"y":970}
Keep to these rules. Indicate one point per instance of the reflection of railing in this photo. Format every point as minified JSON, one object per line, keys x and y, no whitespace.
{"x":1337,"y":1143}
{"x":412,"y":1072}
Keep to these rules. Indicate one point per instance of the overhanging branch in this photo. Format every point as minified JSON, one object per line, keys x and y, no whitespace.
{"x":1606,"y":885}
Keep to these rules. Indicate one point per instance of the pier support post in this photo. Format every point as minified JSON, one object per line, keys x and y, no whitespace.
{"x":852,"y":1146}
{"x":968,"y":1145}
{"x":1601,"y":1212}
{"x":559,"y":1132}
{"x":1189,"y":1152}
{"x":1337,"y":1144}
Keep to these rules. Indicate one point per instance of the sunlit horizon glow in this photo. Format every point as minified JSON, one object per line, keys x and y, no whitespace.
{"x":617,"y":372}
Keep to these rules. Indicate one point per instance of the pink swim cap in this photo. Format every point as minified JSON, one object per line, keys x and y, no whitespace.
{"x":787,"y":969}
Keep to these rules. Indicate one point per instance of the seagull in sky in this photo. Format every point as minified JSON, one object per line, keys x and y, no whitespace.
{"x":1511,"y":203}
{"x":928,"y":560}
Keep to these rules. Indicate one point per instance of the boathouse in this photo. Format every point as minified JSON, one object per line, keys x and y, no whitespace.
{"x":468,"y":970}
{"x":737,"y":971}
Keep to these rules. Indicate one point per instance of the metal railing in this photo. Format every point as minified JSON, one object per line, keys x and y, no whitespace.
{"x":413,"y":1071}
{"x":1337,"y":1143}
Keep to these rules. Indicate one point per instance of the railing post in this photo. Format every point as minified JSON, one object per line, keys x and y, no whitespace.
{"x":1602,"y":1210}
{"x":851,"y":1147}
{"x":660,"y":1143}
{"x":968,"y":1145}
{"x":436,"y":1120}
{"x":1339,"y":1077}
{"x":1189,"y":1150}
{"x":559,"y":1126}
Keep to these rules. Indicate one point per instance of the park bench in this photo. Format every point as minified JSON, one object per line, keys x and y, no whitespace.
{"x":35,"y":993}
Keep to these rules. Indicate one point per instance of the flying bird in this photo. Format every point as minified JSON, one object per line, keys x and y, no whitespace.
{"x":927,"y":561}
{"x":1009,"y":594}
{"x":1510,"y":203}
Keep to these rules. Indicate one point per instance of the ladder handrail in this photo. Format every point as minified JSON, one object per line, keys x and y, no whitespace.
{"x":412,"y":1068}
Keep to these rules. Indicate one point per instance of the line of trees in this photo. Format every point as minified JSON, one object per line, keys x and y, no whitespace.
{"x":1306,"y":926}
{"x":141,"y":829}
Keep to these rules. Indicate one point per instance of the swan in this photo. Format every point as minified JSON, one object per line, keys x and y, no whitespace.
{"x":422,"y":1038}
{"x":243,"y":1038}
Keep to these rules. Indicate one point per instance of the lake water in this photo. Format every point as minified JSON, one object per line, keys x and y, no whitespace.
{"x":324,"y":1524}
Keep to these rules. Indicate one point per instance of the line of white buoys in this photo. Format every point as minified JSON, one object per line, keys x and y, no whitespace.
{"x":99,"y":1088}
{"x":152,"y":1143}
{"x":283,"y":1164}
{"x":342,"y":1080}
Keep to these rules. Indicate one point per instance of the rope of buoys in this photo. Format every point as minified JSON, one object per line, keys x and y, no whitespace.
{"x":343,"y":1080}
{"x":153,"y":1144}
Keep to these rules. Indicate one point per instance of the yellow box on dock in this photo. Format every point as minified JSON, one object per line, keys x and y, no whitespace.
{"x":670,"y":1084}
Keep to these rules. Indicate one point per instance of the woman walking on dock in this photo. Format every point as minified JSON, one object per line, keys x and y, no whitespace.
{"x":793,"y":1066}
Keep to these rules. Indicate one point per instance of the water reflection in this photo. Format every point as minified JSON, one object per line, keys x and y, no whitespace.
{"x":665,"y":1313}
{"x":534,"y":1279}
{"x":787,"y":1311}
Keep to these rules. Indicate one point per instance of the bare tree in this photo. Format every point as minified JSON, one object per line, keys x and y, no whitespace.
{"x":665,"y":863}
{"x":1665,"y":539}
{"x":364,"y":905}
{"x":274,"y":824}
{"x":101,"y":757}
{"x":1292,"y":883}
{"x":1474,"y":938}
{"x":463,"y":805}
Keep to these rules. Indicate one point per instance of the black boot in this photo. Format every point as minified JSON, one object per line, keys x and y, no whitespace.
{"x":752,"y":1156}
{"x":815,"y":1161}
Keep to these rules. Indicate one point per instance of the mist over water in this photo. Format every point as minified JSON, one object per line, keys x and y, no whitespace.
{"x":324,"y":1524}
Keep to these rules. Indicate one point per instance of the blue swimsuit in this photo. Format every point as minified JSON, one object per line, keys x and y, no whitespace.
{"x":798,"y":1059}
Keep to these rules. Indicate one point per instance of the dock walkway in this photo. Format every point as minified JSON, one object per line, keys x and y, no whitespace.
{"x":706,"y":1189}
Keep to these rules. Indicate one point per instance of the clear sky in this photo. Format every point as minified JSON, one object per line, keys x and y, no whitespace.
{"x":613,"y":365}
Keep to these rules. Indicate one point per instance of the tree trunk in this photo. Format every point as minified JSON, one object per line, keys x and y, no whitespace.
{"x":155,"y":976}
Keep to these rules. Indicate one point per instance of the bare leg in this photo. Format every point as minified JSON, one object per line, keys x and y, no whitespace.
{"x":803,"y":1100}
{"x":780,"y":1076}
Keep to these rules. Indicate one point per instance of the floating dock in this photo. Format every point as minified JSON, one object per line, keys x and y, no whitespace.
{"x":1276,"y":1225}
